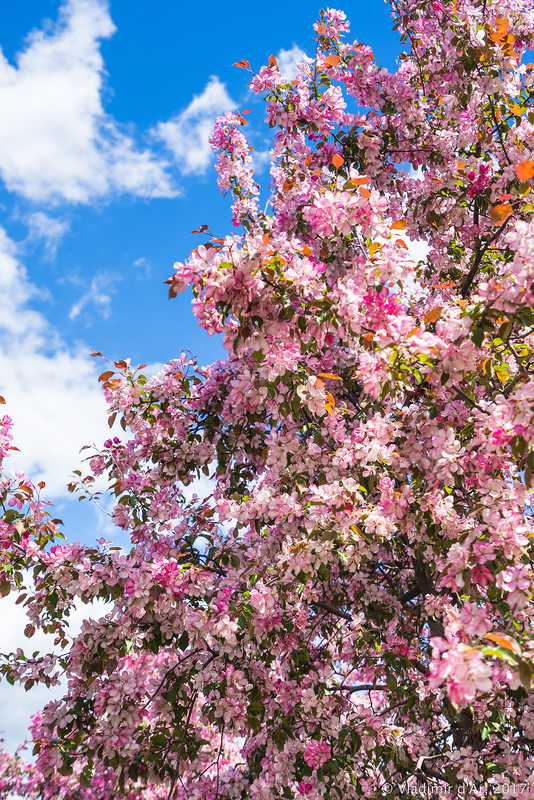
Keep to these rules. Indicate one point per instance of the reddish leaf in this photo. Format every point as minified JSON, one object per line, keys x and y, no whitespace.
{"x":524,"y":171}
{"x":433,"y":315}
{"x":273,"y":64}
{"x":96,"y":354}
{"x":201,"y":229}
{"x":2,"y":400}
{"x":41,"y":484}
{"x":399,"y":225}
{"x":331,"y":60}
{"x":504,"y":640}
{"x":105,"y":375}
{"x":501,"y":212}
{"x":338,"y":161}
{"x":243,"y":64}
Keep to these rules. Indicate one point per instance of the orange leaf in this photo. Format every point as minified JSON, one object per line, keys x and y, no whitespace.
{"x":121,"y":364}
{"x":504,"y":640}
{"x":273,"y":64}
{"x":106,"y":375}
{"x":41,"y":484}
{"x":433,"y":315}
{"x":307,"y":162}
{"x":525,"y":170}
{"x":401,"y":243}
{"x":338,"y":161}
{"x":412,"y":332}
{"x":287,"y":185}
{"x":365,"y":192}
{"x":501,"y":212}
{"x":306,"y":251}
{"x":368,"y":340}
{"x":96,"y":354}
{"x":243,"y":64}
{"x":331,"y":60}
{"x":329,"y":375}
{"x":359,"y":181}
{"x":265,"y":238}
{"x":2,"y":400}
{"x":399,"y":225}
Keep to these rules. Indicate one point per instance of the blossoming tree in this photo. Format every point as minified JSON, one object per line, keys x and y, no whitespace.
{"x":350,"y":611}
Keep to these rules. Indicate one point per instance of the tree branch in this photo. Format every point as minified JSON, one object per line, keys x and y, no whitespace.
{"x":479,"y":255}
{"x":333,"y":610}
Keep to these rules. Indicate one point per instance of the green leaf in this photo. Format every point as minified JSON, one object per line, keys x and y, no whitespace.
{"x":477,"y":336}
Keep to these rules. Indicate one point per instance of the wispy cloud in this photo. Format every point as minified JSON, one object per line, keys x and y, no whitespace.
{"x":143,"y":267}
{"x":98,"y":295}
{"x":187,"y":134}
{"x":56,"y":140}
{"x":48,"y":229}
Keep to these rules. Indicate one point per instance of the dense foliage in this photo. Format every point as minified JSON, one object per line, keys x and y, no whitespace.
{"x":349,"y":612}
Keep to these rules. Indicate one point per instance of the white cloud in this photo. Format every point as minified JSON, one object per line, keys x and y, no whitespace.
{"x":51,"y":390}
{"x":288,"y":60}
{"x":187,"y":134}
{"x":97,"y":295}
{"x":56,"y":140}
{"x":18,"y":705}
{"x":50,"y":230}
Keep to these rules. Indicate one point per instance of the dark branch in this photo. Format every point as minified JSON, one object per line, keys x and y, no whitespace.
{"x":478,"y":258}
{"x":333,"y":610}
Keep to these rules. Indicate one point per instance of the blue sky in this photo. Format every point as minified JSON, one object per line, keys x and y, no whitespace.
{"x":104,"y":170}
